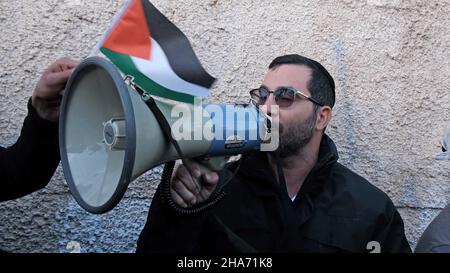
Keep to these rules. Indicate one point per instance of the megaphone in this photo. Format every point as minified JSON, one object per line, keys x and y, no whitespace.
{"x":108,"y":135}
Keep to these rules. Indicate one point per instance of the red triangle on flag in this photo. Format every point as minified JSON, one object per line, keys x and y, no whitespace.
{"x":131,"y":35}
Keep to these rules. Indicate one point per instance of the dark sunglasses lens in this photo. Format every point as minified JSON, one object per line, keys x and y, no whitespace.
{"x":263,"y":93}
{"x":259,"y":95}
{"x":284,"y":97}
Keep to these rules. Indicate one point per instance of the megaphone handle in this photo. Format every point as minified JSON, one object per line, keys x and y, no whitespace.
{"x":166,"y":196}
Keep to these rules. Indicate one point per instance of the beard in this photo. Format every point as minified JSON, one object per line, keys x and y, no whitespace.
{"x":296,"y":136}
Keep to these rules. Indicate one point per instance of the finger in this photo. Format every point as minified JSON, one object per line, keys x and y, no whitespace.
{"x":58,"y":78}
{"x":184,"y":193}
{"x":49,"y":93}
{"x":209,"y":183}
{"x":182,"y":171}
{"x":191,"y":185}
{"x":177,"y":199}
{"x":70,"y":64}
{"x":62,"y":64}
{"x":194,"y":167}
{"x":188,"y":180}
{"x":211,"y":178}
{"x":205,"y":193}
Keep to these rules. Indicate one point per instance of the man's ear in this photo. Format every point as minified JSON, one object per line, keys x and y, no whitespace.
{"x":324,"y":115}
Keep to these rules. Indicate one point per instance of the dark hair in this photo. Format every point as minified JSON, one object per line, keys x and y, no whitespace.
{"x":321,"y":84}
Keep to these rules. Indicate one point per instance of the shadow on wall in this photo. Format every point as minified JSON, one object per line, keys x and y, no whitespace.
{"x":352,"y":153}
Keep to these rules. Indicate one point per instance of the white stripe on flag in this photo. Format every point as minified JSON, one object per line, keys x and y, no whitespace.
{"x":159,"y":70}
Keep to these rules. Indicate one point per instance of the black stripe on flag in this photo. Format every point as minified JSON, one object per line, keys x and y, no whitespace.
{"x":175,"y":44}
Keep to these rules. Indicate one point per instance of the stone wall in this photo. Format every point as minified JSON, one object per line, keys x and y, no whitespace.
{"x":390,"y":61}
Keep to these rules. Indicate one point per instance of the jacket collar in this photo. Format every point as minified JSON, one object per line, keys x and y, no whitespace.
{"x":315,"y":180}
{"x":260,"y":176}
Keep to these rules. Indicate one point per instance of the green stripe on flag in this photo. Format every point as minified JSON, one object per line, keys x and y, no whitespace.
{"x":126,"y":65}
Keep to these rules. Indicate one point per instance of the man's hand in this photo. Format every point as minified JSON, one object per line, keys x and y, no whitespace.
{"x":47,"y":94}
{"x":187,"y":190}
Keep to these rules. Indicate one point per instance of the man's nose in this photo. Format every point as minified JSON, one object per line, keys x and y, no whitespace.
{"x":269,"y":103}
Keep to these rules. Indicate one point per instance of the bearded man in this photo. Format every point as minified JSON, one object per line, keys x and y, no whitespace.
{"x":296,"y":199}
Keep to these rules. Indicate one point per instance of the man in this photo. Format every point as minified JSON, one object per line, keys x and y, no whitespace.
{"x":29,"y":164}
{"x":299,"y":199}
{"x":436,"y":238}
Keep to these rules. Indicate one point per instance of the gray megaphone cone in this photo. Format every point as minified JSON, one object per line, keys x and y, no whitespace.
{"x":108,"y":136}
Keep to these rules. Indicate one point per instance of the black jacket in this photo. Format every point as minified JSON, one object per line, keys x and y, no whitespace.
{"x":335,"y":211}
{"x":30,"y":163}
{"x":436,"y":238}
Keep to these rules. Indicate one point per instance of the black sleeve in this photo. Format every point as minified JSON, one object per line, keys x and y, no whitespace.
{"x":167,"y":231}
{"x":391,"y":235}
{"x":30,"y":163}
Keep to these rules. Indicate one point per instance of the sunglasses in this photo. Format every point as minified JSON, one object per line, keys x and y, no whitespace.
{"x":284,"y":96}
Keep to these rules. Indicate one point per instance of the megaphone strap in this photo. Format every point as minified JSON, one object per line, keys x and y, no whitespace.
{"x":165,"y":126}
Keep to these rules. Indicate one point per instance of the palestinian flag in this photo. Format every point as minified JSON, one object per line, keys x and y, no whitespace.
{"x":144,"y":44}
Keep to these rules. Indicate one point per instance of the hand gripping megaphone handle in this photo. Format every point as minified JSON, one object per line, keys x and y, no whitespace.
{"x":205,"y":164}
{"x":167,"y":200}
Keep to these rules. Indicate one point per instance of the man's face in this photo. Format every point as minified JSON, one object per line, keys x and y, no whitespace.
{"x":297,"y":122}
